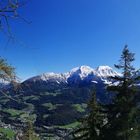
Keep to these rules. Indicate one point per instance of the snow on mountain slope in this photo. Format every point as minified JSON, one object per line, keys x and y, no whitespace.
{"x":88,"y":74}
{"x":82,"y":73}
{"x":53,"y":77}
{"x":106,"y":71}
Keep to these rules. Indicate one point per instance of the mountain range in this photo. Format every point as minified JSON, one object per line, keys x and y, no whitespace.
{"x":77,"y":76}
{"x":56,"y":100}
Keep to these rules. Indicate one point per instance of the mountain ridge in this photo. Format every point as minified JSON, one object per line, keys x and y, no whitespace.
{"x":81,"y":73}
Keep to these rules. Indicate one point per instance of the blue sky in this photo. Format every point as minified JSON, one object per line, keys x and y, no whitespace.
{"x":69,"y":33}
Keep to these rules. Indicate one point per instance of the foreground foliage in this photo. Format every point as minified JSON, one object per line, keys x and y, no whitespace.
{"x":7,"y":72}
{"x":92,"y":123}
{"x":123,"y":112}
{"x":118,"y":120}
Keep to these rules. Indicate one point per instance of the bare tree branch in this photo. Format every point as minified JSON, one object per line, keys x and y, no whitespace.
{"x":9,"y":10}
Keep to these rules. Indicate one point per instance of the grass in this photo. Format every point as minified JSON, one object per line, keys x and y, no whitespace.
{"x":13,"y":112}
{"x":22,"y":114}
{"x":10,"y":134}
{"x":80,"y":107}
{"x":26,"y":117}
{"x":71,"y":125}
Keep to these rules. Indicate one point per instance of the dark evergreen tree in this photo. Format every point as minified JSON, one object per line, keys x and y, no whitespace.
{"x":123,"y":111}
{"x":92,"y":123}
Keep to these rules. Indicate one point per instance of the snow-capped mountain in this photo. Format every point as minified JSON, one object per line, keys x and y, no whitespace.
{"x":64,"y":90}
{"x":82,"y":71}
{"x":52,"y":77}
{"x":77,"y":75}
{"x":106,"y":71}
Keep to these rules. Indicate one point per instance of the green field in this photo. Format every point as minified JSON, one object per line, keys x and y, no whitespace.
{"x":13,"y":112}
{"x":8,"y":133}
{"x":80,"y":107}
{"x":71,"y":125}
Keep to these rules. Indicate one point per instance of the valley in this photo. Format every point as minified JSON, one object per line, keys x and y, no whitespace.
{"x":53,"y":102}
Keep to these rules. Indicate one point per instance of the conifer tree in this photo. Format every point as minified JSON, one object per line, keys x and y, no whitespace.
{"x":92,"y":123}
{"x":123,"y":111}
